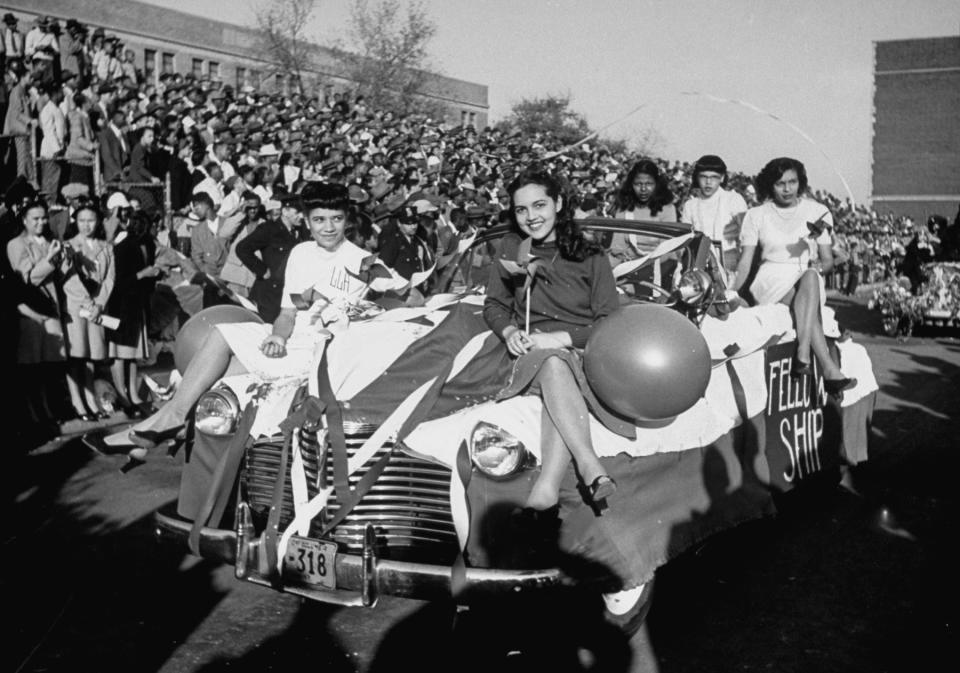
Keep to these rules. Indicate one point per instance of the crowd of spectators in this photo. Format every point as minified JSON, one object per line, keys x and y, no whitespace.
{"x":209,"y":174}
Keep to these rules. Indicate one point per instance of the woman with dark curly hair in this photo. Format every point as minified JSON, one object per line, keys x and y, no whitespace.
{"x":321,"y":272}
{"x":643,"y":195}
{"x":572,"y":288}
{"x":793,"y":233}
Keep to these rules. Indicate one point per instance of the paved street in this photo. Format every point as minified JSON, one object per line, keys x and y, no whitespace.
{"x":840,"y":581}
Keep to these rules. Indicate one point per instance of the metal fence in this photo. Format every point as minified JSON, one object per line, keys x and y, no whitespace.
{"x":19,"y":155}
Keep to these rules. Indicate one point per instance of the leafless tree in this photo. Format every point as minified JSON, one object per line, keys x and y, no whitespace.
{"x":284,"y":43}
{"x":387,"y":53}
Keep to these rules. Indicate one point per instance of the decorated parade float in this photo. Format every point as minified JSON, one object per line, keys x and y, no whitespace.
{"x":392,"y":470}
{"x":936,"y":303}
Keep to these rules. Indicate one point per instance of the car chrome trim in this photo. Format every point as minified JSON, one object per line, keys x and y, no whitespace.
{"x":361,"y":578}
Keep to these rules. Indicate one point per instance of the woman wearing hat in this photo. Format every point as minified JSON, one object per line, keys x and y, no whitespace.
{"x":135,"y":279}
{"x":793,"y":232}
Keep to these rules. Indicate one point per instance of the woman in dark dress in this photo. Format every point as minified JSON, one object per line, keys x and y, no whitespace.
{"x":134,"y":255}
{"x":573,"y":287}
{"x":141,"y":160}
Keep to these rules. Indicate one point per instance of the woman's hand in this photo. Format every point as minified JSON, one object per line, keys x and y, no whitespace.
{"x":517,"y":341}
{"x":543,"y":340}
{"x":95,"y":311}
{"x":274,"y":346}
{"x":149,"y":272}
{"x":56,"y":247}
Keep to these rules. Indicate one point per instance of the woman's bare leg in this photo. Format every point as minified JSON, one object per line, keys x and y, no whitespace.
{"x":554,"y":459}
{"x":213,"y":361}
{"x":75,"y":380}
{"x":118,"y":374}
{"x":87,"y":384}
{"x":568,"y":412}
{"x":133,"y":383}
{"x":806,"y":308}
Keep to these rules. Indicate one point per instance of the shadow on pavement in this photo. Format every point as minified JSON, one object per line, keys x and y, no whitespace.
{"x":85,"y":583}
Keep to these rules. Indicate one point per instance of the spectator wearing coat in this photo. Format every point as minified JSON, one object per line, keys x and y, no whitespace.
{"x":114,"y":148}
{"x":265,"y":250}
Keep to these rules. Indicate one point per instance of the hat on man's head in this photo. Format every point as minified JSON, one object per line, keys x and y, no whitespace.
{"x":476,"y":212}
{"x":711,"y":163}
{"x":423,"y":206}
{"x":10,"y":19}
{"x":75,"y":190}
{"x":117,"y":200}
{"x":269,"y":150}
{"x":357,"y":194}
{"x":18,"y":190}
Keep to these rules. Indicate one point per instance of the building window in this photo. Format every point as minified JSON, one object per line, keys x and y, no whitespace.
{"x":213,"y":69}
{"x":241,"y":77}
{"x":473,"y":119}
{"x":463,"y":117}
{"x":167,"y":63}
{"x":149,"y":65}
{"x":197,"y":69}
{"x":255,"y":79}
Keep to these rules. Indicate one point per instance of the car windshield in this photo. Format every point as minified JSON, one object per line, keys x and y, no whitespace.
{"x":623,"y":241}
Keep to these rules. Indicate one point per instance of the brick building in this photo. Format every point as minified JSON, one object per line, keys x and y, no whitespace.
{"x":916,"y":127}
{"x":165,"y":40}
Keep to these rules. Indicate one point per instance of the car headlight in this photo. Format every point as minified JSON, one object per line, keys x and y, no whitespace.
{"x":217,"y":412}
{"x":496,"y":452}
{"x":694,"y":286}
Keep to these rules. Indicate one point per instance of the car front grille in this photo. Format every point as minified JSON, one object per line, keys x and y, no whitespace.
{"x":409,"y":505}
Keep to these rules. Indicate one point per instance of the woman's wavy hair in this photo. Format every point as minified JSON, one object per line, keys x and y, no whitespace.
{"x":328,"y":196}
{"x":773,"y":171}
{"x":662,"y":195}
{"x":570,"y":240}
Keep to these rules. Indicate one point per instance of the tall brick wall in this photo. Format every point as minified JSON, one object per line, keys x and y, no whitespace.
{"x":916,"y":129}
{"x":142,"y":26}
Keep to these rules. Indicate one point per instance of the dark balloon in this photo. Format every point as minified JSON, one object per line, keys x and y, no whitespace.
{"x":195,"y":330}
{"x":647,"y":362}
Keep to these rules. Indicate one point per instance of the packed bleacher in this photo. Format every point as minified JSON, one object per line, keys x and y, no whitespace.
{"x":190,"y":170}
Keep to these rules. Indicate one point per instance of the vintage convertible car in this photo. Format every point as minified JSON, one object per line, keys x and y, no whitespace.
{"x":394,"y":472}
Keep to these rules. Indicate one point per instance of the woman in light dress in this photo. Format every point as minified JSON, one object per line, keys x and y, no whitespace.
{"x":793,"y":233}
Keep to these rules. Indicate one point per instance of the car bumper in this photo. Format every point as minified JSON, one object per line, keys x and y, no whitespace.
{"x":360,"y":578}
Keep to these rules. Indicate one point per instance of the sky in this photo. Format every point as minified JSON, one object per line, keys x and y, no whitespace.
{"x":809,"y":63}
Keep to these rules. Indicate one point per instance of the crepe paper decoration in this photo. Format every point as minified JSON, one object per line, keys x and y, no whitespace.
{"x":529,"y":266}
{"x":817,"y":226}
{"x":662,"y":249}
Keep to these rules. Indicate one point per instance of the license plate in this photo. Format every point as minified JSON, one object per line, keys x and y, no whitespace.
{"x":311,"y":562}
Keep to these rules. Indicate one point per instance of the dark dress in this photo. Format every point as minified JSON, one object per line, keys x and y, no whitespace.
{"x":567,"y":296}
{"x":130,"y":299}
{"x":141,"y":160}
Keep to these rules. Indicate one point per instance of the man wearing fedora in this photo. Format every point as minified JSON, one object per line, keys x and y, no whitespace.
{"x":18,"y":122}
{"x":11,"y":41}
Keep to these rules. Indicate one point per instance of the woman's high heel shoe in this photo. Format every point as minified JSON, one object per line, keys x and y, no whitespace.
{"x":599,"y":490}
{"x":799,"y":368}
{"x":150,"y":438}
{"x":836,"y":387}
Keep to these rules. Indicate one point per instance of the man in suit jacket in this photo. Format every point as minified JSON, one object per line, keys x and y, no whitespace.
{"x":114,"y":149}
{"x":83,"y":143}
